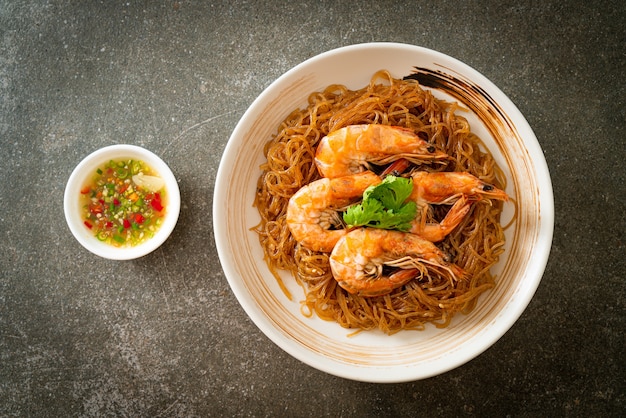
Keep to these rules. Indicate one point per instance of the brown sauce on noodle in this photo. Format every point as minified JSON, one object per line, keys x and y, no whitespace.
{"x":475,"y":244}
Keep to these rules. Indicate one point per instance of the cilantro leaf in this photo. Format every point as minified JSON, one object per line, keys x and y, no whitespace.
{"x":384,"y":206}
{"x":391,"y":192}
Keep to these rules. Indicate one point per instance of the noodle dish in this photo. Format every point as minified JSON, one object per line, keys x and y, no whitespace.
{"x":383,"y":212}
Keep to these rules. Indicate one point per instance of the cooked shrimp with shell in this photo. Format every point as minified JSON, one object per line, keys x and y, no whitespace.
{"x":313,"y":213}
{"x":355,"y":148}
{"x":458,"y":189}
{"x":384,"y":206}
{"x":359,"y":260}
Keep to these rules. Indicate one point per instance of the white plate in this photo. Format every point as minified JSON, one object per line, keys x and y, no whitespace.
{"x":373,"y":356}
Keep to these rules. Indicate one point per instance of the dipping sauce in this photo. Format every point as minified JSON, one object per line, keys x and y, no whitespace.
{"x":124,"y":203}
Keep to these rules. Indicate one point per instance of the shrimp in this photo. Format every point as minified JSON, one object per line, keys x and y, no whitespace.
{"x":457,"y":188}
{"x":444,"y":187}
{"x":313,"y":211}
{"x":351,"y":149}
{"x":359,"y":258}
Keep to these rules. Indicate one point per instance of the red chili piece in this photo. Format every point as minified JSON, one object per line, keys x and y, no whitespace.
{"x":126,"y":224}
{"x":95,"y":208}
{"x":156,"y":202}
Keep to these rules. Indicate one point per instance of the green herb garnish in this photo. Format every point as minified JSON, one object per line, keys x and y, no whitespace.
{"x":384,"y":206}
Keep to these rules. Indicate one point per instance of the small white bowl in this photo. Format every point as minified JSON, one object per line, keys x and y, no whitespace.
{"x":73,"y":209}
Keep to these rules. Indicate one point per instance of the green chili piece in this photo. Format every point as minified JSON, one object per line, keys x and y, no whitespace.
{"x":135,"y":167}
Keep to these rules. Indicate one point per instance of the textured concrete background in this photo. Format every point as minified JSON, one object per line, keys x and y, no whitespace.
{"x":163,"y":335}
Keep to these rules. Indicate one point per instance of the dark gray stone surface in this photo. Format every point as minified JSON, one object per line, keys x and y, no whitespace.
{"x":163,"y":335}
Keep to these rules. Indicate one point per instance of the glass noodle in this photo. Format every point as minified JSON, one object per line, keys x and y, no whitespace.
{"x":475,"y":244}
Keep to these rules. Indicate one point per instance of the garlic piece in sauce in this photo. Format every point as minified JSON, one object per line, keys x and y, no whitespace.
{"x":151,"y":183}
